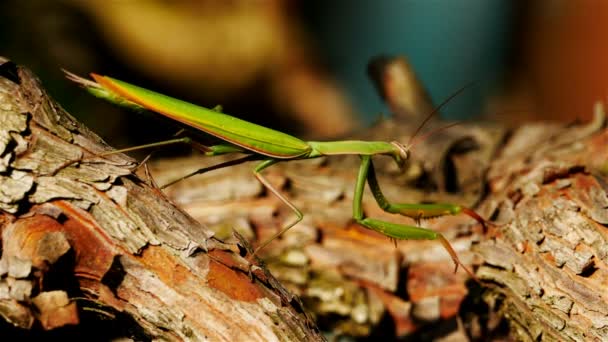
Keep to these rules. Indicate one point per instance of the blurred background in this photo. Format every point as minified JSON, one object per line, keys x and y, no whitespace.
{"x":300,"y":66}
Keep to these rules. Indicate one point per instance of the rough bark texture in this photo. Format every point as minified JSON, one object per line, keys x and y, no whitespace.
{"x":84,"y":240}
{"x":545,"y":261}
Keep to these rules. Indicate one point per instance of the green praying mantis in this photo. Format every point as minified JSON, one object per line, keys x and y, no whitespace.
{"x":269,"y":147}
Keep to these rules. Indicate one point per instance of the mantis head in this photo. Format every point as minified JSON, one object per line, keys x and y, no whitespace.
{"x":402,"y":152}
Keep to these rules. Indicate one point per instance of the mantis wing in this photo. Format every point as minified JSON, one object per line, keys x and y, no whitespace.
{"x":239,"y":132}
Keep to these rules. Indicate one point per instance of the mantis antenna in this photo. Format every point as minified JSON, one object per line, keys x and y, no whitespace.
{"x":437,"y":109}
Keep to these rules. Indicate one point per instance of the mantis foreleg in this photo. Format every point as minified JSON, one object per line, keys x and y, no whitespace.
{"x":395,"y":230}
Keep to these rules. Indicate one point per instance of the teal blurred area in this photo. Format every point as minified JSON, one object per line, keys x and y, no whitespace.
{"x":297,"y":66}
{"x":449,"y":43}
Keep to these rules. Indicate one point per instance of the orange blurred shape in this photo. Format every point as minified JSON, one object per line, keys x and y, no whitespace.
{"x":567,"y":57}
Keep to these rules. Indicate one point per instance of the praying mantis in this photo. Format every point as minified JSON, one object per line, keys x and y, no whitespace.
{"x":269,"y":147}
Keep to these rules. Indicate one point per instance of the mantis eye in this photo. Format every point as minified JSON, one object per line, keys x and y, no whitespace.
{"x":402,"y":150}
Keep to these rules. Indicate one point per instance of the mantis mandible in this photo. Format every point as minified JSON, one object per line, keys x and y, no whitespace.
{"x":269,"y":147}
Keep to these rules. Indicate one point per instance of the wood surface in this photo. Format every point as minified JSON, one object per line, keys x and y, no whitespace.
{"x":84,"y":240}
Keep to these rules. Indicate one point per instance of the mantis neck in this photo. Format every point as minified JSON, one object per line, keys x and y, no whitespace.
{"x":358,"y":147}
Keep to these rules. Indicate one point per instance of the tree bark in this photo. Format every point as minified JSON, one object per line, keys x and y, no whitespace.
{"x":545,"y":260}
{"x":84,"y":240}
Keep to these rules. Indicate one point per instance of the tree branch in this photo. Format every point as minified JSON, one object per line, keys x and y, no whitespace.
{"x":84,"y":238}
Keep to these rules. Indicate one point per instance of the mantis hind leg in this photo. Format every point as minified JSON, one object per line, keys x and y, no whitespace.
{"x":183,"y":140}
{"x":257,"y":172}
{"x":396,"y":230}
{"x":211,"y":168}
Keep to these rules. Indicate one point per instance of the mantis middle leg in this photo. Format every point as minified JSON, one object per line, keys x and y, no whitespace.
{"x":396,"y":230}
{"x":257,"y":172}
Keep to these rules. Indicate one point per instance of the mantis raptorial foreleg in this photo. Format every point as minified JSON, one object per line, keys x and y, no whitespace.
{"x":416,"y":211}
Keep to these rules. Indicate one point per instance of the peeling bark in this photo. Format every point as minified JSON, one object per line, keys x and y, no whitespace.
{"x":545,"y":261}
{"x":83,"y":237}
